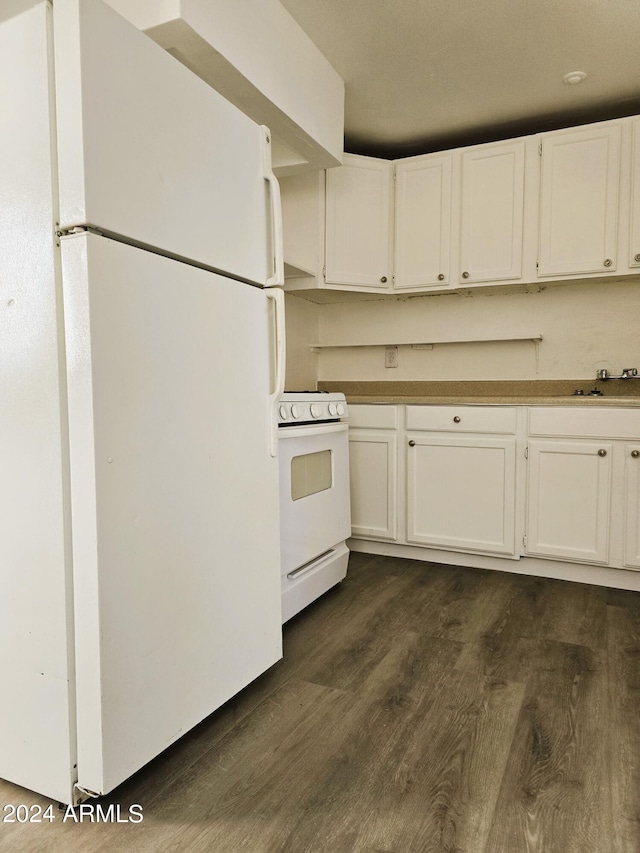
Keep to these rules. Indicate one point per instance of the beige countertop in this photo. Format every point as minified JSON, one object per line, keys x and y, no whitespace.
{"x":627,"y":402}
{"x":554,"y":392}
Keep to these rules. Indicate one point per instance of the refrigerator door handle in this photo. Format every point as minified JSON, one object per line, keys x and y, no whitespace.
{"x":277,"y":278}
{"x":277,"y":297}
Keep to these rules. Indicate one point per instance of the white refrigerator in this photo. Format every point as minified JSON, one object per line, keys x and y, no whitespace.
{"x":141,"y":359}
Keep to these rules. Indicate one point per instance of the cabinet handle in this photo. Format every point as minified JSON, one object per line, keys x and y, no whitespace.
{"x":602,"y":452}
{"x":441,"y":276}
{"x":637,"y":258}
{"x":384,"y":279}
{"x":608,"y":262}
{"x":412,"y":444}
{"x":456,"y":419}
{"x":465,"y":274}
{"x":635,"y":454}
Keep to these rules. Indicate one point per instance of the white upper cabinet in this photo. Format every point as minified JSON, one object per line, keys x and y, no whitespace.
{"x":579,"y":200}
{"x":492,"y":210}
{"x":634,"y":230}
{"x":358,"y":224}
{"x":555,"y":206}
{"x":423,"y":222}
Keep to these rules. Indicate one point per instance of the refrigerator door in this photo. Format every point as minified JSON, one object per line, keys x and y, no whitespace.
{"x":37,"y":737}
{"x":149,"y":152}
{"x":174,"y":498}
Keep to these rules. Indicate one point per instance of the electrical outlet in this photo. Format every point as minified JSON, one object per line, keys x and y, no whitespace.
{"x":391,"y":356}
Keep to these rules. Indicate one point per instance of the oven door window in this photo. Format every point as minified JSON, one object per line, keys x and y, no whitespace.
{"x":310,"y":474}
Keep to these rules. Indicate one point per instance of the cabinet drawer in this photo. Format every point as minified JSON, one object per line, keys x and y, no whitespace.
{"x":490,"y":419}
{"x":364,"y":415}
{"x":585,"y":423}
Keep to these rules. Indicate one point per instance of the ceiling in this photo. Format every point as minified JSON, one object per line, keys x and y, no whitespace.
{"x":424,"y":75}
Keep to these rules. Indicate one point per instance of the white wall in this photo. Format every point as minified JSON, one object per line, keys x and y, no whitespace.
{"x":585,"y":326}
{"x":301,"y":330}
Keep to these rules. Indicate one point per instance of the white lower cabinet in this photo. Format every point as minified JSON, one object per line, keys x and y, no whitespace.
{"x":373,"y":455}
{"x":455,"y":478}
{"x":372,"y":464}
{"x":569,"y":498}
{"x":632,"y":502}
{"x":461,"y":492}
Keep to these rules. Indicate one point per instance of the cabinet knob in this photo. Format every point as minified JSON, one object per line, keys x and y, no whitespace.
{"x":602,"y":452}
{"x":412,"y":443}
{"x":637,"y":258}
{"x":384,"y":279}
{"x":441,"y":276}
{"x":635,"y":454}
{"x":456,"y":419}
{"x":607,"y":262}
{"x":465,"y":274}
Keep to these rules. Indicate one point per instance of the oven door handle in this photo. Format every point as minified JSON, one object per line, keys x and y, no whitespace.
{"x":279,"y":356}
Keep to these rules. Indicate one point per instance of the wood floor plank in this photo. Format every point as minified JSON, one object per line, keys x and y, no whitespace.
{"x":623,"y":727}
{"x":438,"y":781}
{"x":574,"y":613}
{"x":551,"y":796}
{"x":419,"y":707}
{"x":504,"y":648}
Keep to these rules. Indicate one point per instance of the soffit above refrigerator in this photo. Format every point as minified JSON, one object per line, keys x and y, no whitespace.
{"x":257,"y":56}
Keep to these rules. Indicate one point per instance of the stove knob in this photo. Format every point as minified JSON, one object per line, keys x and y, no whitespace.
{"x":333,"y":410}
{"x":295,"y":412}
{"x":316,"y":410}
{"x":284,"y":413}
{"x":341,"y":409}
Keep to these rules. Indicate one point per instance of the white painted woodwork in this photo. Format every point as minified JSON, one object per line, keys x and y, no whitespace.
{"x":37,"y":748}
{"x":492,"y":212}
{"x":579,"y":200}
{"x":486,"y":419}
{"x":303,"y":225}
{"x":461,"y":493}
{"x":632,"y":506}
{"x":367,"y":415}
{"x":259,"y":59}
{"x":141,"y":139}
{"x":634,"y":227}
{"x":176,"y":606}
{"x":579,"y":422}
{"x":568,"y":500}
{"x":422,"y":221}
{"x":358,"y":224}
{"x":373,"y":481}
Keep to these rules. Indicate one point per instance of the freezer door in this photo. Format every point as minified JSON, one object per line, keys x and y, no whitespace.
{"x":149,"y":151}
{"x":174,"y":498}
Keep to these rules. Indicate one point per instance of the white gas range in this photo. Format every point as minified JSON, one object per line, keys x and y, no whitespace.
{"x":315,"y":516}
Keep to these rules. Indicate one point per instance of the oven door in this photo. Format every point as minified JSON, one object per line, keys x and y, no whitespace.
{"x":315,"y":511}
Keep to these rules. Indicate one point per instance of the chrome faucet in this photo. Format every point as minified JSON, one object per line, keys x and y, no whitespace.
{"x":627,"y":373}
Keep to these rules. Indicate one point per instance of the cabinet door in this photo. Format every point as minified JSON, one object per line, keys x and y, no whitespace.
{"x":634,"y":235}
{"x":579,"y":201}
{"x":569,"y":497}
{"x":358,"y":223}
{"x":423,"y":222}
{"x":372,"y":465}
{"x":492,"y":199}
{"x":632,"y":504}
{"x":461,"y":493}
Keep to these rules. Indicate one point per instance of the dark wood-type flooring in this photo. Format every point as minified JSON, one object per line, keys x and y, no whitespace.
{"x":418,"y":708}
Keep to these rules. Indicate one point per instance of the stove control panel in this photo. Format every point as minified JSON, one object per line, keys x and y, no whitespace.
{"x":311,"y":407}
